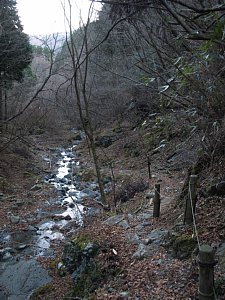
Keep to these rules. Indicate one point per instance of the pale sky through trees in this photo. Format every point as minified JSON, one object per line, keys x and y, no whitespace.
{"x":40,"y":17}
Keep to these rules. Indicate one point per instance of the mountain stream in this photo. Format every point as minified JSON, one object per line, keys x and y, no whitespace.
{"x":20,"y":271}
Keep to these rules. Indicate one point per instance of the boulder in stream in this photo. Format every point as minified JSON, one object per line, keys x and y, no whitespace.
{"x":17,"y":280}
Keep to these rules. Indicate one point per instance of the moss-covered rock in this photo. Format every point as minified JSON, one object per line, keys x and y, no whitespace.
{"x":78,"y":257}
{"x":81,"y":241}
{"x":78,"y":254}
{"x":87,"y":272}
{"x":182,"y":246}
{"x":90,"y":279}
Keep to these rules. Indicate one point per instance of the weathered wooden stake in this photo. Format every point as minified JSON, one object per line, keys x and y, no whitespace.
{"x":192,"y":196}
{"x":156,"y":201}
{"x":149,"y":168}
{"x":206,"y":273}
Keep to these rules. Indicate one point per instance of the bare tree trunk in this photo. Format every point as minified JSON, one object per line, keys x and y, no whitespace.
{"x":80,"y":80}
{"x":1,"y":107}
{"x":97,"y":169}
{"x":5,"y":106}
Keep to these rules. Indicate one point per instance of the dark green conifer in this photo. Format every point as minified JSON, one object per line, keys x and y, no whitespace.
{"x":15,"y":49}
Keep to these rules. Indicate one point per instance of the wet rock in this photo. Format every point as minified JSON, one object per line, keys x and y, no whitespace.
{"x":71,"y":205}
{"x":58,"y":217}
{"x":18,"y":280}
{"x":67,"y":218}
{"x":52,"y":176}
{"x":8,"y":249}
{"x":79,"y":200}
{"x":89,"y":192}
{"x":72,"y":193}
{"x":63,"y":180}
{"x":6,"y":253}
{"x":6,"y":256}
{"x":14,"y":219}
{"x":65,"y":202}
{"x":4,"y":295}
{"x":62,"y":191}
{"x":69,"y":154}
{"x":21,"y":247}
{"x":94,"y":186}
{"x":32,"y":228}
{"x":143,"y":251}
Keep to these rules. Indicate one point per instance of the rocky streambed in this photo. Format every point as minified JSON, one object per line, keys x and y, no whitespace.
{"x":58,"y":218}
{"x":20,"y":272}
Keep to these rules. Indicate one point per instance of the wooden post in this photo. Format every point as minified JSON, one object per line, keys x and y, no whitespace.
{"x":149,"y":168}
{"x":192,"y":197}
{"x":206,"y":273}
{"x":156,"y":201}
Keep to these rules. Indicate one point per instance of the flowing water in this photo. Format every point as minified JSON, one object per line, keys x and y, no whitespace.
{"x":37,"y":240}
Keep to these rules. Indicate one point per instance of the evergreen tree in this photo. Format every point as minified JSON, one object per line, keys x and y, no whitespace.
{"x":15,"y":49}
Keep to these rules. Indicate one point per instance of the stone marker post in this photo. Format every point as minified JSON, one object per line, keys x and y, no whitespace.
{"x":206,"y":273}
{"x":156,"y":201}
{"x":192,"y":196}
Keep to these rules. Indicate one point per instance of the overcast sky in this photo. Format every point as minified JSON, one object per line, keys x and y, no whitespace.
{"x":40,"y":17}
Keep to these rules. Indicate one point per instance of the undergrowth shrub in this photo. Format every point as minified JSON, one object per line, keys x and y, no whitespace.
{"x":129,"y":189}
{"x":213,"y":142}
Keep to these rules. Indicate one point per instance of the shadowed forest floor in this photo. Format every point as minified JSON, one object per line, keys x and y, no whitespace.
{"x":163,"y":272}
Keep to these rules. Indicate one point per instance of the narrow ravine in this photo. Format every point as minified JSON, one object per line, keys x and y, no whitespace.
{"x":20,"y":272}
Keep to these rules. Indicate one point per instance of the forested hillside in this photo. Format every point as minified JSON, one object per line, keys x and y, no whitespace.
{"x":122,"y":112}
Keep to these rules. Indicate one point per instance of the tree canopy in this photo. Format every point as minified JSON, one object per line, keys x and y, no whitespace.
{"x":15,"y":49}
